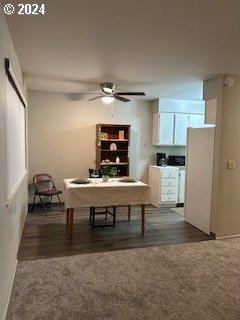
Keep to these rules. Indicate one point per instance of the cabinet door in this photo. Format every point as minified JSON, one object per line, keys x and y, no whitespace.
{"x":166,"y":126}
{"x":155,"y":129}
{"x":180,"y":132}
{"x":196,"y":120}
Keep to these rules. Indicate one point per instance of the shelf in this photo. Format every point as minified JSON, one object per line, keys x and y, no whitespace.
{"x":117,"y":140}
{"x":114,"y":164}
{"x":118,"y":150}
{"x":108,"y":136}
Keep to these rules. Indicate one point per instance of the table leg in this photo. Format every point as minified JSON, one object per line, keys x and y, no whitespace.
{"x":129,"y":213}
{"x":114,"y":216}
{"x":71,"y":215}
{"x":143,"y":218}
{"x":93,"y":217}
{"x":90,"y":215}
{"x":67,"y":216}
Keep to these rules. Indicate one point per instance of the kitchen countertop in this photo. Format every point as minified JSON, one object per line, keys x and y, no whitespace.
{"x":180,"y":167}
{"x":168,"y":167}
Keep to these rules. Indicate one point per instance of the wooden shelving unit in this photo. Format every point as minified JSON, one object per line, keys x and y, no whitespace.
{"x":112,"y":142}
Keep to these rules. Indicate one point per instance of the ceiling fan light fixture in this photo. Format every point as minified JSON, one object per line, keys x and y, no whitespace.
{"x":108,"y":87}
{"x":107,"y":90}
{"x":107,"y":99}
{"x":108,"y":94}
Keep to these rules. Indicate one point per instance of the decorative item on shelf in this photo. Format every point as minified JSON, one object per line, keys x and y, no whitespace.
{"x":106,"y":171}
{"x":121,"y":135}
{"x":117,"y":160}
{"x":114,"y":171}
{"x":113,"y":147}
{"x":104,"y":136}
{"x":106,"y":161}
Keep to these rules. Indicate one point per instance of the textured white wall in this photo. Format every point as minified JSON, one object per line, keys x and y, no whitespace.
{"x":62,"y":134}
{"x":225,"y":219}
{"x":228,"y":222}
{"x":11,"y":218}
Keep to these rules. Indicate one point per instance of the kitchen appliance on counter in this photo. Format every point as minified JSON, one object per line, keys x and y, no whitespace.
{"x":176,"y":160}
{"x":161,"y":159}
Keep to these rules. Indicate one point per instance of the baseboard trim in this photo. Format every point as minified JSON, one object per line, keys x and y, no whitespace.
{"x":9,"y":296}
{"x":227,"y":237}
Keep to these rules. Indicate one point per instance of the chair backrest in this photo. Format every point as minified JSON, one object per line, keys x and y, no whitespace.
{"x":43,"y":179}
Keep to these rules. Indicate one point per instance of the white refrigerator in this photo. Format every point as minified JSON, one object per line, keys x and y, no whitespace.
{"x":199,"y":177}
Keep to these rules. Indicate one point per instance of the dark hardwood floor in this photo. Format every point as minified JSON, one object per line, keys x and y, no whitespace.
{"x":47,"y":236}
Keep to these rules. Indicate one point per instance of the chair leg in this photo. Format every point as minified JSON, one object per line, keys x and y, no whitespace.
{"x":33,"y":202}
{"x":114,"y":217}
{"x":50,"y":202}
{"x":60,"y":202}
{"x":90,"y":215}
{"x":106,"y":214}
{"x":129,"y":213}
{"x":43,"y":205}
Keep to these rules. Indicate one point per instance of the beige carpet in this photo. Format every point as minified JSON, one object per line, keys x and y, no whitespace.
{"x":197,"y":281}
{"x":179,"y":210}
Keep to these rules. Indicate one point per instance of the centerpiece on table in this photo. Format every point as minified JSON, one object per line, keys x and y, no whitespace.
{"x":106,"y":171}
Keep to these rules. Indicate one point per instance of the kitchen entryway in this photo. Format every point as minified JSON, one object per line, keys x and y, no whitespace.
{"x":179,"y":210}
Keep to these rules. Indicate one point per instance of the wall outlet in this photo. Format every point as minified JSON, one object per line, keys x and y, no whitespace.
{"x":230,"y":164}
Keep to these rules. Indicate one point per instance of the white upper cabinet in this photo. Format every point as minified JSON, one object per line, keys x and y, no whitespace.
{"x":163,"y":125}
{"x":180,"y":129}
{"x":171,"y":118}
{"x":166,"y":128}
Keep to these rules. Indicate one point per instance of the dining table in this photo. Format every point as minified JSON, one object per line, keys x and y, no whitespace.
{"x":97,"y":193}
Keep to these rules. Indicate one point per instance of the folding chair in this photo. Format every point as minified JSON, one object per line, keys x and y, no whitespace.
{"x":45,"y":187}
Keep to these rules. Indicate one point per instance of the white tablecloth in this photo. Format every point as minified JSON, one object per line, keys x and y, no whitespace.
{"x":111,"y":193}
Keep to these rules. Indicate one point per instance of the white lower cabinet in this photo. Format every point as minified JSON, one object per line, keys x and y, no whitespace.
{"x":164,"y":185}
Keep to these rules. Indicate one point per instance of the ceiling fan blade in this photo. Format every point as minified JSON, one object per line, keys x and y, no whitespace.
{"x":89,"y":93}
{"x":94,"y":98}
{"x":121,"y":98}
{"x":131,"y":93}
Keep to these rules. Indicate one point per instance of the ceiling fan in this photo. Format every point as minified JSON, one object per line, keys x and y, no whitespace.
{"x":109,"y":94}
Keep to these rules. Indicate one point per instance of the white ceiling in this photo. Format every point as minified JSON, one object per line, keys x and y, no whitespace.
{"x":163,"y":47}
